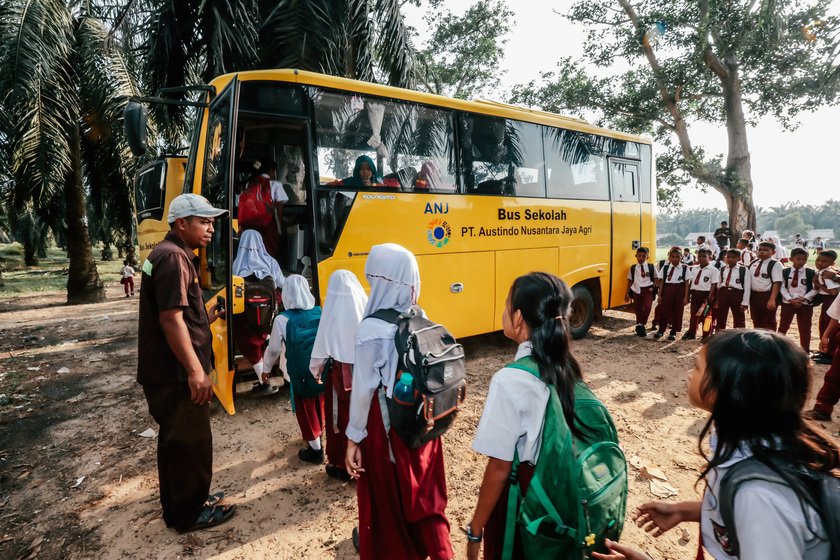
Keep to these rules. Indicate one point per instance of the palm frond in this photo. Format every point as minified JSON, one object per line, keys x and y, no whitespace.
{"x":394,"y":51}
{"x":303,"y":34}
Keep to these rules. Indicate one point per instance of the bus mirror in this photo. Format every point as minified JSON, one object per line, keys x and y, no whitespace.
{"x":136,"y":119}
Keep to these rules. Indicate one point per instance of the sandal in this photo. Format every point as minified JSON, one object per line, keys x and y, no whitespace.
{"x":212,"y":516}
{"x":214,"y":499}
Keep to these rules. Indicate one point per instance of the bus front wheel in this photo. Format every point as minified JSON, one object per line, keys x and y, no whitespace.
{"x":582,"y":312}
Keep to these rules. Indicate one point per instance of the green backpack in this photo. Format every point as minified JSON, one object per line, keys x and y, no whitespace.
{"x":578,"y":494}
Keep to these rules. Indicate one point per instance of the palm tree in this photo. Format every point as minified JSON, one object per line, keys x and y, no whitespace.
{"x":63,"y":90}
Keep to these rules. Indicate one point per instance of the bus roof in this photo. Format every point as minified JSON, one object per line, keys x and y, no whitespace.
{"x":481,"y":106}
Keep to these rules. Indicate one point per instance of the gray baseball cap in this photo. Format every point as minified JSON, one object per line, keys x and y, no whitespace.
{"x":186,"y":205}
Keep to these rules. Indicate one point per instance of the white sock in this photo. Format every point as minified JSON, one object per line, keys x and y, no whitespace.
{"x":258,"y":369}
{"x":315,"y":444}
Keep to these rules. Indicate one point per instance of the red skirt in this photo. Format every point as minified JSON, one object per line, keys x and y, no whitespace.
{"x":309,"y":412}
{"x":494,"y":531}
{"x":401,"y":503}
{"x":337,"y":412}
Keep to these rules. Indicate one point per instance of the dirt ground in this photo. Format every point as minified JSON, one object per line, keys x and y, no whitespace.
{"x":78,"y":481}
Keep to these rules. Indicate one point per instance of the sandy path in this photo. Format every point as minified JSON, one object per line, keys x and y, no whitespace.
{"x":57,"y":427}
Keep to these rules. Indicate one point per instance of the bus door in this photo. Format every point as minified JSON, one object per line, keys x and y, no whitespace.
{"x":626,"y":224}
{"x":215,"y":260}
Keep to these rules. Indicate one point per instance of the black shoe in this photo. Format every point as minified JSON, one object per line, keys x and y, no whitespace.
{"x":264,"y":389}
{"x":354,"y":536}
{"x":653,"y":326}
{"x":640,"y":331}
{"x":337,"y":473}
{"x":689,"y":336}
{"x":817,"y":415}
{"x":672,"y":335}
{"x":820,"y":358}
{"x":310,"y":455}
{"x":659,"y":334}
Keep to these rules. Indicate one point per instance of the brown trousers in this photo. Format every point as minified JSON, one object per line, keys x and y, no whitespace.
{"x":672,"y":304}
{"x":729,"y":299}
{"x":184,"y":452}
{"x":762,"y":317}
{"x":803,"y":322}
{"x":642,"y":303}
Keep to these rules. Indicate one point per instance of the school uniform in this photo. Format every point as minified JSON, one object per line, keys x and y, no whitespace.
{"x":763,"y":274}
{"x":733,"y":295}
{"x":301,"y":313}
{"x":824,"y":298}
{"x":672,"y":297}
{"x":829,"y":393}
{"x":770,"y":520}
{"x":798,"y":283}
{"x":747,"y":257}
{"x":336,"y":339}
{"x":643,"y":278}
{"x":701,"y":280}
{"x":687,"y":260}
{"x":513,"y":417}
{"x":402,"y":492}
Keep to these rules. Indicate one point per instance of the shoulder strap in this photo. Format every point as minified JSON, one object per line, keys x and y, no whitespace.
{"x":651,"y":270}
{"x":388,"y":315}
{"x":665,"y":269}
{"x":526,"y":363}
{"x":785,"y":273}
{"x":684,"y":272}
{"x":809,"y":278}
{"x":742,"y":274}
{"x":632,"y":271}
{"x":770,"y":266}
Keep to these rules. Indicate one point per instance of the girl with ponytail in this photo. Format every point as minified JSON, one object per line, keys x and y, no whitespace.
{"x":535,"y":317}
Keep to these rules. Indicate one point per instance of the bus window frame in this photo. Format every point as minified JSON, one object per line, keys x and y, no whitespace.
{"x":454,"y":113}
{"x":155,"y":213}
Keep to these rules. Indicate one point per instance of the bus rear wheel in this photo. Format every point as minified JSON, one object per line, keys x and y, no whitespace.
{"x":582,"y":311}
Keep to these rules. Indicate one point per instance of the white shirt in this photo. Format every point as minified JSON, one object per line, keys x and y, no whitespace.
{"x":687,"y":259}
{"x":823,"y":285}
{"x":764,"y":281}
{"x":640,"y":281}
{"x":513,"y":415}
{"x":747,"y":257}
{"x":708,"y":277}
{"x":789,"y":291}
{"x":127,"y":272}
{"x":674,"y":274}
{"x":769,"y":521}
{"x":730,"y":277}
{"x":834,"y":309}
{"x":278,"y":193}
{"x":275,"y":343}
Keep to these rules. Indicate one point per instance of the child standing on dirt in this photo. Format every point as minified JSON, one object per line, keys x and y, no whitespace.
{"x":765,"y":283}
{"x":127,"y":279}
{"x":754,"y":384}
{"x":332,"y":361}
{"x":401,"y":491}
{"x":733,"y":292}
{"x":296,"y":328}
{"x":827,"y":291}
{"x":702,"y":285}
{"x":641,"y":280}
{"x":798,"y":293}
{"x":673,"y":290}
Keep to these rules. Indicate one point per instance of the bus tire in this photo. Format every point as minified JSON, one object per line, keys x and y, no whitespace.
{"x":581,"y":311}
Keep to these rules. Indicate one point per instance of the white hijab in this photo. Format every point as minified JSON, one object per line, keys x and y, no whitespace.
{"x":252,"y":258}
{"x":781,"y":251}
{"x":344,"y":309}
{"x":296,"y":293}
{"x":393,"y":276}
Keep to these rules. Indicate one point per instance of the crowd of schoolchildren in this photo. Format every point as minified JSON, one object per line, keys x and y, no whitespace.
{"x":346,"y":369}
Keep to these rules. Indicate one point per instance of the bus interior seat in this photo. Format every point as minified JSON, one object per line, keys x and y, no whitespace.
{"x":406,"y":178}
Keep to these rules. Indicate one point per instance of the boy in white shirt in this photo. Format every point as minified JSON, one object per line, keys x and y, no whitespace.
{"x":765,"y":283}
{"x":641,"y":279}
{"x":828,"y":290}
{"x":798,"y":293}
{"x":127,"y":279}
{"x":733,"y":292}
{"x":702,"y":284}
{"x":747,"y":256}
{"x":673,"y":291}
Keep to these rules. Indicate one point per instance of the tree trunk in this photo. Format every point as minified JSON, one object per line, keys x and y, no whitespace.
{"x":738,"y":187}
{"x":30,"y":253}
{"x":83,"y":283}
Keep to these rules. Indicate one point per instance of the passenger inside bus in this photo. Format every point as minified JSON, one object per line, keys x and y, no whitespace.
{"x":364,"y":174}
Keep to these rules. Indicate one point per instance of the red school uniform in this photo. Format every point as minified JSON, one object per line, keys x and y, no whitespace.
{"x":798,"y":283}
{"x":643,"y":278}
{"x":763,"y":274}
{"x":701,"y":280}
{"x":672,"y":297}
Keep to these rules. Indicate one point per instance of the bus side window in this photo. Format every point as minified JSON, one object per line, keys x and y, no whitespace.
{"x":501,"y":156}
{"x":574,"y":168}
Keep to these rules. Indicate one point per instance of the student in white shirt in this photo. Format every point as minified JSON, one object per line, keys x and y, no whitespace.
{"x":673,"y":291}
{"x":754,"y":384}
{"x":702,"y":285}
{"x":401,"y":491}
{"x":536,"y":317}
{"x":687,"y":258}
{"x":765,"y":283}
{"x":640,"y":283}
{"x":127,"y":279}
{"x":733,"y":292}
{"x":747,"y":256}
{"x":798,"y":293}
{"x":826,"y":287}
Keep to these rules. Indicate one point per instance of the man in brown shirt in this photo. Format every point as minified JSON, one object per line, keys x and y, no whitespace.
{"x":173,"y":363}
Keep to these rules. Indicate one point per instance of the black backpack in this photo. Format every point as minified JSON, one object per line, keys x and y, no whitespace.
{"x":819,"y":490}
{"x":666,"y":268}
{"x":260,"y":303}
{"x":434,"y":358}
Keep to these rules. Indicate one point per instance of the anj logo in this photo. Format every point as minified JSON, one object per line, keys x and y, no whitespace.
{"x":439,"y":232}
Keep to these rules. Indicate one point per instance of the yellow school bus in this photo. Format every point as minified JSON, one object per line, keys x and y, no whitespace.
{"x":480,"y":191}
{"x":155,"y":185}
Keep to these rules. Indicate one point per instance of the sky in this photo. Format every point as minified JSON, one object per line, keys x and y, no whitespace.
{"x":787,"y":166}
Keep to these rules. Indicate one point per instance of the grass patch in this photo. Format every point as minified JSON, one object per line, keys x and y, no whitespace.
{"x":51,"y":273}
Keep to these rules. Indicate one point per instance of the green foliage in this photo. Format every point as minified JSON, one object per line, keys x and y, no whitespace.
{"x":462,"y":53}
{"x":790,"y":225}
{"x":718,"y":61}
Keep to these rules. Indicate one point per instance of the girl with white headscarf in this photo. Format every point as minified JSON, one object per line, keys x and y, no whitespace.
{"x":252,"y":260}
{"x":335,"y":347}
{"x":781,"y":250}
{"x":295,"y":328}
{"x":401,"y":491}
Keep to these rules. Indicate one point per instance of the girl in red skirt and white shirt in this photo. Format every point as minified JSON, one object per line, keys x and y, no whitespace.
{"x":401,"y":491}
{"x":344,"y":309}
{"x":536,"y":317}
